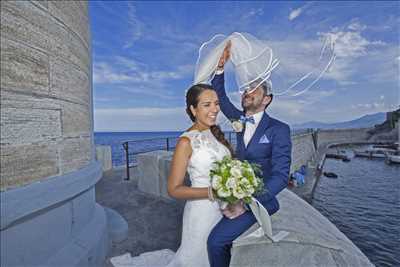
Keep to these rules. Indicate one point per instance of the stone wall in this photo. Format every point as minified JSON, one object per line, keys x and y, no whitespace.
{"x":303,"y":150}
{"x":341,"y":136}
{"x":46,"y":97}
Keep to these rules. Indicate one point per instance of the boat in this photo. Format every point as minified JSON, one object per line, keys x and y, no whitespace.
{"x":393,"y":159}
{"x":330,"y":175}
{"x":343,"y":157}
{"x":370,"y":153}
{"x":394,"y":146}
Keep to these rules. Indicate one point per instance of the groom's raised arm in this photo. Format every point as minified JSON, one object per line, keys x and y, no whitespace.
{"x":229,"y":110}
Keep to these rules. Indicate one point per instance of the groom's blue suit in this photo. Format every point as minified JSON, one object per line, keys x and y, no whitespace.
{"x":270,"y":147}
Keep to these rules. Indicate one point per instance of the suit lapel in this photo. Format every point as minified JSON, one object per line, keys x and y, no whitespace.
{"x":260,"y":130}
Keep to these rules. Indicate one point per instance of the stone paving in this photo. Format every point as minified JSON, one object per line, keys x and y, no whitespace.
{"x":154,"y":222}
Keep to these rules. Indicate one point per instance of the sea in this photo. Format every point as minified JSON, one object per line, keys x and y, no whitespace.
{"x":137,"y":142}
{"x":363,"y":202}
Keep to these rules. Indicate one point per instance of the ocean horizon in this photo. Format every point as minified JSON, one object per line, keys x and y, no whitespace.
{"x":149,"y":140}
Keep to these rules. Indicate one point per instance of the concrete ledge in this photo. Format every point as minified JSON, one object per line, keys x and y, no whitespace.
{"x":57,"y":222}
{"x":27,"y":200}
{"x":313,"y":240}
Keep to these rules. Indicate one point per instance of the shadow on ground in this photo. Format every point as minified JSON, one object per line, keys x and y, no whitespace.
{"x":154,"y":222}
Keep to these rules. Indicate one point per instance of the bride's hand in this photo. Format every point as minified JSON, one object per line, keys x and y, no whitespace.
{"x":225,"y":55}
{"x":234,"y":210}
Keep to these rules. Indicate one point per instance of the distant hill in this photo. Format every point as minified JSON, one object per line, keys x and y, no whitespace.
{"x":365,"y":121}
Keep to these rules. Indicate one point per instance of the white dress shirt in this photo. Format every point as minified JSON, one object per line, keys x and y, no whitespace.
{"x":251,"y":128}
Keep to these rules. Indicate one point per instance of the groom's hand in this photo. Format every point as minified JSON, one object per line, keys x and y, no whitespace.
{"x":234,"y":210}
{"x":225,"y":55}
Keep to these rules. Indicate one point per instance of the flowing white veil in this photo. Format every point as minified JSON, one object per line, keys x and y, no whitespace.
{"x":253,"y":59}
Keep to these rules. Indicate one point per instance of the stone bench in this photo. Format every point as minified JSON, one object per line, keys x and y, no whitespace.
{"x":152,"y":172}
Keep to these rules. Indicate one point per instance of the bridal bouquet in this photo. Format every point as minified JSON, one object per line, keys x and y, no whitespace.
{"x":233,"y":180}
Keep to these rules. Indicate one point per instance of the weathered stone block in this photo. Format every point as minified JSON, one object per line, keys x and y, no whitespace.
{"x":12,"y":99}
{"x":72,"y":14}
{"x":68,"y":46}
{"x":165,"y":167}
{"x":24,"y":164}
{"x":42,"y":31}
{"x":104,"y":156}
{"x":76,"y":119}
{"x":23,"y":68}
{"x":16,"y":26}
{"x":68,"y":82}
{"x":75,"y":153}
{"x":24,"y":126}
{"x":149,"y":171}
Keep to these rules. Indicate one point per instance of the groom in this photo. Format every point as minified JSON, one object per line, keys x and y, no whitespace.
{"x":264,"y":141}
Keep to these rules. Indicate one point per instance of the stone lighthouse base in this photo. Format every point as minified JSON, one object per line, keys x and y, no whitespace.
{"x":57,"y":222}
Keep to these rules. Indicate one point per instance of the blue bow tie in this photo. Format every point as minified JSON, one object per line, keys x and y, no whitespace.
{"x":244,"y":119}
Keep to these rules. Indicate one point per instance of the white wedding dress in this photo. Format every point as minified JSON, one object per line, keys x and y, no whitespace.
{"x":199,"y":216}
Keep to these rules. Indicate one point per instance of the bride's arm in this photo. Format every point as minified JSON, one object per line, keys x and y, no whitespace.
{"x":176,"y":188}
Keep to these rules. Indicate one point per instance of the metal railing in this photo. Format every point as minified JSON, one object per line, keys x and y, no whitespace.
{"x":135,"y":147}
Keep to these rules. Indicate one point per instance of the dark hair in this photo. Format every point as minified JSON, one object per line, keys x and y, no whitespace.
{"x":192,"y":99}
{"x":266,"y":85}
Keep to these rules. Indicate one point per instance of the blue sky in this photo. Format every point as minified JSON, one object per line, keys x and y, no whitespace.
{"x":144,"y":54}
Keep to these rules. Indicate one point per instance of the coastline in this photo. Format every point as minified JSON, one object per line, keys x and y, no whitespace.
{"x":315,"y":168}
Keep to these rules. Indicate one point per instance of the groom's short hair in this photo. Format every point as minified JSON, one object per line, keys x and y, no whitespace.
{"x":266,"y":85}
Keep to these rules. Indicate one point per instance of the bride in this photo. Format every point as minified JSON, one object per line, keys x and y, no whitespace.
{"x":196,"y":150}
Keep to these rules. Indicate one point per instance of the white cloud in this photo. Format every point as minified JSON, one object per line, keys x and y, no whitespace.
{"x":350,"y":43}
{"x":297,"y":12}
{"x":356,"y":55}
{"x":135,"y":25}
{"x":253,"y":12}
{"x":124,"y":70}
{"x":141,"y":119}
{"x":355,"y":25}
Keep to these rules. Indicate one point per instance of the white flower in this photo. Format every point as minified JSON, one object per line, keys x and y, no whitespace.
{"x":238,"y":193}
{"x":237,"y":163}
{"x":223,"y":192}
{"x":216,"y":182}
{"x":237,"y":126}
{"x":249,"y":190}
{"x":255,"y":181}
{"x":231,"y":183}
{"x":236,"y":171}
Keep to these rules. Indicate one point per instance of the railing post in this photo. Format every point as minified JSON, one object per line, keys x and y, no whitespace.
{"x":167,"y":144}
{"x":126,"y":147}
